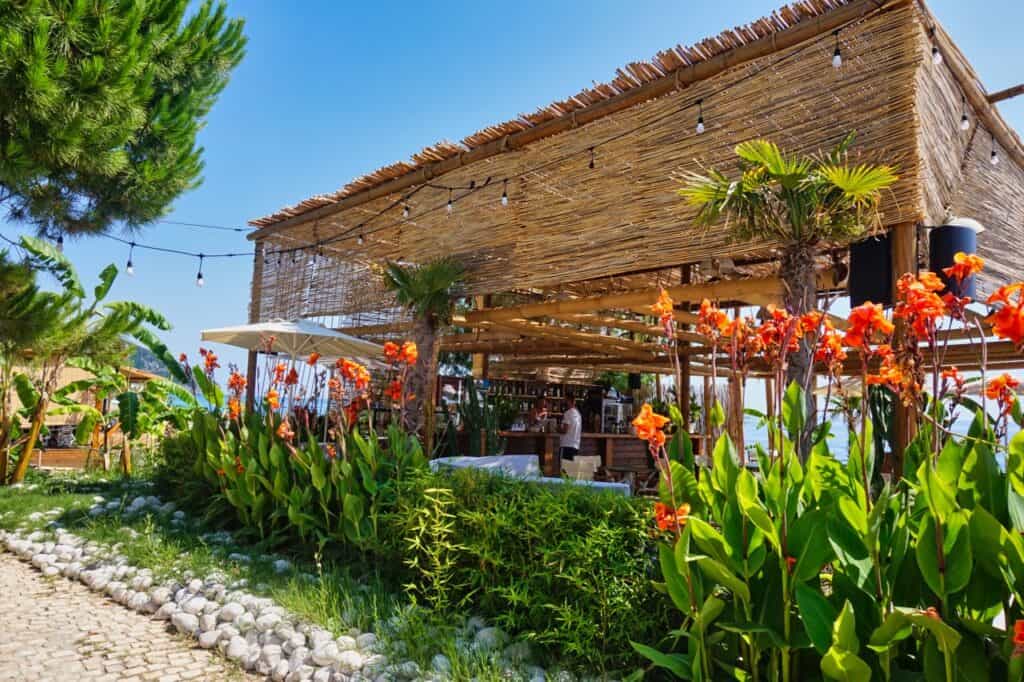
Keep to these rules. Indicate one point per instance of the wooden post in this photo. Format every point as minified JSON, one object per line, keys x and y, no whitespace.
{"x":481,"y":360}
{"x":903,"y":239}
{"x":682,"y":347}
{"x":255,"y":293}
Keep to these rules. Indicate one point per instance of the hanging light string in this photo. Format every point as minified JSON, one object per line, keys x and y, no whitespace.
{"x":468,"y":189}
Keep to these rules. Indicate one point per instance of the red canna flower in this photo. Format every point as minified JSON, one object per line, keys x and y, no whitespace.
{"x":394,"y":391}
{"x":1001,"y":389}
{"x":332,"y":452}
{"x":932,"y":613}
{"x":790,"y":563}
{"x":313,"y":358}
{"x":952,"y":374}
{"x":391,"y":351}
{"x":209,"y":361}
{"x":1018,"y":633}
{"x":866,"y":321}
{"x":183,"y":358}
{"x":221,"y":472}
{"x":292,"y":378}
{"x":670,"y":519}
{"x":964,"y":266}
{"x":409,"y":353}
{"x":238,"y":465}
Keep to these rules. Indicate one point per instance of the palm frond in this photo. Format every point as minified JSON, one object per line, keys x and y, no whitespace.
{"x":428,"y":290}
{"x":45,"y":255}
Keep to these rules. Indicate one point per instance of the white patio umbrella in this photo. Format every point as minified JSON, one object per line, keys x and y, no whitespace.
{"x":296,"y":339}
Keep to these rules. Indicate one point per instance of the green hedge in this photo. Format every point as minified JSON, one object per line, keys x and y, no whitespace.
{"x":568,"y":568}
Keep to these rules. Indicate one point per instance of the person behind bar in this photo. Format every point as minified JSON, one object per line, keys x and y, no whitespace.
{"x":538,"y":414}
{"x":572,"y":428}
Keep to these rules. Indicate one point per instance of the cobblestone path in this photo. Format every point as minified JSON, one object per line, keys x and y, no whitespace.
{"x":57,"y":630}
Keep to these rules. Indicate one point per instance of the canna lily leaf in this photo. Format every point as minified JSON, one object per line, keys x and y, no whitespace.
{"x":817,"y":615}
{"x":677,"y":664}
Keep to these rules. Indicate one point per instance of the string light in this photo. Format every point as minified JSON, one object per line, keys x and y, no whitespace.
{"x":405,"y":212}
{"x":199,"y":276}
{"x":451,"y":204}
{"x":837,"y":56}
{"x":129,"y":267}
{"x":360,"y":239}
{"x":60,"y":242}
{"x":994,"y":156}
{"x":592,"y":164}
{"x":965,"y":121}
{"x":504,"y":193}
{"x":936,"y":55}
{"x":700,"y":116}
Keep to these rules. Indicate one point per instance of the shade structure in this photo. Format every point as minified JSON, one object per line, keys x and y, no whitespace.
{"x":295,"y":338}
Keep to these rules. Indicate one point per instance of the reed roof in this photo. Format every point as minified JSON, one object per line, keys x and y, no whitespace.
{"x":575,"y":229}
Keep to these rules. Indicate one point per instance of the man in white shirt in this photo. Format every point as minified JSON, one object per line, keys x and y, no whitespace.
{"x":572,"y":429}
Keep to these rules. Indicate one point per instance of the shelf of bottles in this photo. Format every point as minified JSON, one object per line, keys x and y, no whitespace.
{"x":524,"y":393}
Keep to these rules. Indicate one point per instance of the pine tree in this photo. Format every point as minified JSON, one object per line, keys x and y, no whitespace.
{"x":100,"y":104}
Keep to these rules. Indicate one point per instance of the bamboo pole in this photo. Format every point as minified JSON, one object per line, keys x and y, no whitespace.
{"x":904,"y":259}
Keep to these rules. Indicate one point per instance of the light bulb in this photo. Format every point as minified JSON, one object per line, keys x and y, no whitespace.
{"x":405,"y":212}
{"x":60,"y":242}
{"x":936,"y":56}
{"x":451,"y":207}
{"x":360,"y":240}
{"x":994,"y":158}
{"x":130,"y":269}
{"x":837,"y":59}
{"x":199,"y":280}
{"x":504,"y":198}
{"x":700,"y":125}
{"x":965,"y":123}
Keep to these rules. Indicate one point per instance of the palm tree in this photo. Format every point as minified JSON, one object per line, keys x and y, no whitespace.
{"x":428,"y":291}
{"x":798,"y":201}
{"x":77,"y":328}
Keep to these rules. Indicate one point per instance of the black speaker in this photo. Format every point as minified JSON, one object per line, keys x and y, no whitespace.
{"x":871,"y":271}
{"x":944,"y":242}
{"x":634,"y":382}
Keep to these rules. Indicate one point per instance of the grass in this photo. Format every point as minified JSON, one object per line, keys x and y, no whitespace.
{"x":336,"y":596}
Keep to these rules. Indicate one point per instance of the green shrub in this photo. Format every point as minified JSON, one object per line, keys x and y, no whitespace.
{"x":562,"y":566}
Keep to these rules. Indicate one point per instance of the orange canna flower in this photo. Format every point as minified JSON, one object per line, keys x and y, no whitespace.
{"x":238,"y":465}
{"x":830,"y":349}
{"x":866,"y":321}
{"x":932,"y":613}
{"x":1008,"y":319}
{"x":888,"y":375}
{"x":209,"y":361}
{"x":648,"y":427}
{"x":919,"y":305}
{"x":313,"y":358}
{"x":409,"y":353}
{"x":664,"y":309}
{"x":284,"y":430}
{"x":279,"y":372}
{"x":354,"y":372}
{"x":670,"y":519}
{"x":292,"y":378}
{"x":221,"y":472}
{"x":182,"y":358}
{"x":391,"y":351}
{"x":237,"y":382}
{"x":811,"y":322}
{"x":234,"y":408}
{"x":273,"y":400}
{"x":952,"y":374}
{"x":332,"y":452}
{"x":713,"y":322}
{"x":1018,"y":633}
{"x":964,"y":266}
{"x":1001,"y":389}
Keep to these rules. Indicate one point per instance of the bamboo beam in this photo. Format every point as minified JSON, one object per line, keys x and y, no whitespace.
{"x":1008,"y":93}
{"x":609,"y":344}
{"x":673,"y":80}
{"x":725,"y":290}
{"x":638,"y":326}
{"x":376,"y":329}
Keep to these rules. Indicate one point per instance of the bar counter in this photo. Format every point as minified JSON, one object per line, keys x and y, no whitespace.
{"x":620,"y":450}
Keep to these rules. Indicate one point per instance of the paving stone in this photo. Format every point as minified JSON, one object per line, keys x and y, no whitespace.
{"x":58,"y":630}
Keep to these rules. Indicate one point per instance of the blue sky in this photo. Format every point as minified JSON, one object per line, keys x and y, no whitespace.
{"x":330,"y":90}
